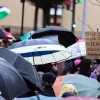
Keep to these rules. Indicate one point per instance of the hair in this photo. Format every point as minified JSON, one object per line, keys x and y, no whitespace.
{"x":98,"y":97}
{"x":67,"y":94}
{"x":72,"y":68}
{"x":44,"y":68}
{"x":85,"y":67}
{"x":98,"y":78}
{"x":48,"y":78}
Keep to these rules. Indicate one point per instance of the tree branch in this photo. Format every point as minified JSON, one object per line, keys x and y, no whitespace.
{"x":94,"y":3}
{"x":85,"y":24}
{"x":98,"y":1}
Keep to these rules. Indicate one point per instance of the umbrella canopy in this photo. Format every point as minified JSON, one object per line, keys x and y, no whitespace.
{"x":64,"y":36}
{"x":77,"y":49}
{"x":9,"y":36}
{"x":11,"y":82}
{"x":27,"y":36}
{"x":79,"y":98}
{"x":85,"y":86}
{"x":24,"y":67}
{"x":58,"y":84}
{"x":2,"y":35}
{"x":4,"y":11}
{"x":40,"y":51}
{"x":6,"y":35}
{"x":39,"y":97}
{"x":1,"y":98}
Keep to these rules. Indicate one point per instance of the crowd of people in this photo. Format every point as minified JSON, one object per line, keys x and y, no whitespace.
{"x":81,"y":66}
{"x":49,"y":72}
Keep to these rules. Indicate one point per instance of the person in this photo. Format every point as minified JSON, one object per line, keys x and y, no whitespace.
{"x":48,"y":80}
{"x":68,"y":94}
{"x":98,"y":78}
{"x":93,"y":75}
{"x":73,"y":69}
{"x":85,"y":67}
{"x":98,"y":97}
{"x":3,"y":43}
{"x":60,"y":68}
{"x":50,"y":67}
{"x":68,"y":90}
{"x":54,"y":68}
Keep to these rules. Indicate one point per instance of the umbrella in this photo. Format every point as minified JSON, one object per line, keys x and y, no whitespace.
{"x":61,"y":35}
{"x":84,"y":86}
{"x":24,"y":67}
{"x":11,"y":82}
{"x":58,"y":84}
{"x":6,"y":35}
{"x":27,"y":35}
{"x":79,"y":98}
{"x":9,"y":36}
{"x":2,"y":35}
{"x":4,"y":11}
{"x":38,"y":97}
{"x":77,"y":49}
{"x":40,"y":51}
{"x":1,"y":98}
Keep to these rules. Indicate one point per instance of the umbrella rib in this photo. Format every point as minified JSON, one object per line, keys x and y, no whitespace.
{"x":53,"y":56}
{"x":41,"y":57}
{"x":39,"y":53}
{"x":64,"y":55}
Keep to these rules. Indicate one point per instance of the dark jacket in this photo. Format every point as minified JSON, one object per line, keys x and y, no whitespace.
{"x":48,"y":91}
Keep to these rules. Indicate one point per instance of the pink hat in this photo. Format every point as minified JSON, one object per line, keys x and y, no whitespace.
{"x":77,"y":62}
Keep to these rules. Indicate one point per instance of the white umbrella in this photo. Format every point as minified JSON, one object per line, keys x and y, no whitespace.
{"x":39,"y":54}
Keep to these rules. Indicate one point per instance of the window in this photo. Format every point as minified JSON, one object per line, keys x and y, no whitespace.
{"x":55,"y":16}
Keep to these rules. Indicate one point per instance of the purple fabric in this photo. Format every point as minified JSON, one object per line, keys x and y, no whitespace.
{"x":93,"y":75}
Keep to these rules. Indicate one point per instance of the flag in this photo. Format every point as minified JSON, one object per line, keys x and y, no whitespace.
{"x":4,"y":11}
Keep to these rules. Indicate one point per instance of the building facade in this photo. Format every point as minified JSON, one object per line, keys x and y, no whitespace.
{"x":13,"y":21}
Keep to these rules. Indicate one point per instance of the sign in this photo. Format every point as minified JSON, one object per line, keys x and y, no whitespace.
{"x":93,"y":45}
{"x":77,"y":49}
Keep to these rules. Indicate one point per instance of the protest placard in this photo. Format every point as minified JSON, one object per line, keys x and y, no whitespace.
{"x":93,"y":45}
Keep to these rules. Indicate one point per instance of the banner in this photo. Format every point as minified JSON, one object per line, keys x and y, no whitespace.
{"x":77,"y":49}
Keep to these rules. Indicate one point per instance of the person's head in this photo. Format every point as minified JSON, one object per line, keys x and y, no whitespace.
{"x":98,"y":97}
{"x":85,"y":68}
{"x":68,"y":94}
{"x":68,"y":90}
{"x":48,"y":78}
{"x":3,"y":43}
{"x":73,"y":66}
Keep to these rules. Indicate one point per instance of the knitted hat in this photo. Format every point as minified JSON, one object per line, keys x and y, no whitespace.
{"x":67,"y":94}
{"x":49,"y":77}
